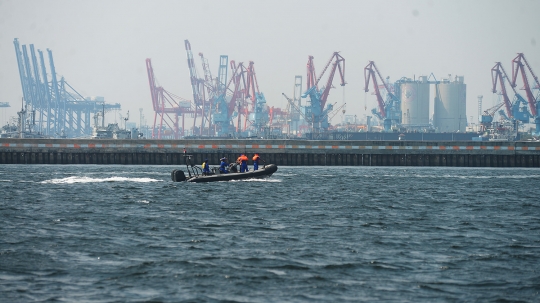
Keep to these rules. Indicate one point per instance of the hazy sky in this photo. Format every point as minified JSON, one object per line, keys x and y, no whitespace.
{"x":100,"y":47}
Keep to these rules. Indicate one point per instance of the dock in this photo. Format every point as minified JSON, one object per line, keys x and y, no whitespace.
{"x":280,"y":152}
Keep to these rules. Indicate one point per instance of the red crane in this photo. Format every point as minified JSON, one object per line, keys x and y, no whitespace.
{"x":238,"y":93}
{"x":257,"y":109}
{"x":252,"y":86}
{"x":311,"y":76}
{"x":498,"y":74}
{"x":339,"y":63}
{"x":167,"y":106}
{"x":519,"y":67}
{"x":371,"y":72}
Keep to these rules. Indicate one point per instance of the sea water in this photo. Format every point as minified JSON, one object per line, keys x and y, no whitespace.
{"x":87,"y":233}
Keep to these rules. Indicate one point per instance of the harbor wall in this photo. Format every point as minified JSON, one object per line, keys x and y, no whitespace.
{"x":280,"y":152}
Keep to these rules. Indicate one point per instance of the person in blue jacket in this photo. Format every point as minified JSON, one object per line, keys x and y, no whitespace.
{"x":205,"y":168}
{"x":223,"y":166}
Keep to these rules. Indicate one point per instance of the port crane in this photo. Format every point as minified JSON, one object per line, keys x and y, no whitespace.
{"x":294,"y":106}
{"x":61,"y":111}
{"x":315,"y":112}
{"x":211,"y":88}
{"x":388,"y":111}
{"x":228,"y":100}
{"x":518,"y":67}
{"x":487,"y":117}
{"x":258,"y":113}
{"x":168,"y":107}
{"x":513,"y":111}
{"x":198,"y":91}
{"x":332,"y":114}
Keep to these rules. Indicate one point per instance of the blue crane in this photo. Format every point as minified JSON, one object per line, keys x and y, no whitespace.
{"x":516,"y":110}
{"x":389,"y":111}
{"x":316,"y":113}
{"x":259,"y":115}
{"x":220,"y":114}
{"x":518,"y":66}
{"x":59,"y":108}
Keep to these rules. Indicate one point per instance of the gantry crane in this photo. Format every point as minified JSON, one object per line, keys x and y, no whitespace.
{"x":518,"y":66}
{"x":315,"y":112}
{"x":60,"y":110}
{"x":388,"y":111}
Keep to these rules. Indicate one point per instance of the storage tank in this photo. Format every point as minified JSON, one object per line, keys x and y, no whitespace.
{"x":450,"y":105}
{"x":415,"y":102}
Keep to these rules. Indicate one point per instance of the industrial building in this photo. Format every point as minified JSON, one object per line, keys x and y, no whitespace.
{"x":415,"y":103}
{"x":450,"y":105}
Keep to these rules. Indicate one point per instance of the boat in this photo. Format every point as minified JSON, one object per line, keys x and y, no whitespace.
{"x":194,"y":173}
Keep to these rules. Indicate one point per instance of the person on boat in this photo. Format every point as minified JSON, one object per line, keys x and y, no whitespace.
{"x":256,"y":160}
{"x":223,"y":165}
{"x":242,"y":160}
{"x":205,"y":168}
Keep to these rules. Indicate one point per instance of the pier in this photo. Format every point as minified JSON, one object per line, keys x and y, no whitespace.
{"x":280,"y":152}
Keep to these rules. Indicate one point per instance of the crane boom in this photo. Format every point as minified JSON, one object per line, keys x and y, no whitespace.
{"x":336,"y":65}
{"x":498,"y":74}
{"x":208,"y":79}
{"x":152,"y":82}
{"x":193,"y":75}
{"x":291,"y":103}
{"x":311,"y":76}
{"x":369,"y":73}
{"x":519,"y":67}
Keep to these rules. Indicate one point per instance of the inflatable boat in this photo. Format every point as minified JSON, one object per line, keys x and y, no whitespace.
{"x":194,"y":173}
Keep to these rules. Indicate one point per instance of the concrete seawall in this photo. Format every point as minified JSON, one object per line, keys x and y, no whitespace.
{"x":280,"y":152}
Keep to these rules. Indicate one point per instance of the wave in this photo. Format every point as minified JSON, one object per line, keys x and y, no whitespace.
{"x":266,"y":180}
{"x":75,"y":179}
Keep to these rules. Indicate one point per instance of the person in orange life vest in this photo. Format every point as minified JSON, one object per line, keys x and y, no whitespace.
{"x":242,"y":160}
{"x":256,"y":160}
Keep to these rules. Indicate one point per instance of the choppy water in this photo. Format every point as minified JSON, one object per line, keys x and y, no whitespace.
{"x":308,"y":234}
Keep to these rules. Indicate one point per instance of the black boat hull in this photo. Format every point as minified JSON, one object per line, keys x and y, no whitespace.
{"x":267,"y":171}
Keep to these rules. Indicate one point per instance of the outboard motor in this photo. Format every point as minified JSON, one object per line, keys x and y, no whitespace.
{"x":178,"y":175}
{"x":233,"y":168}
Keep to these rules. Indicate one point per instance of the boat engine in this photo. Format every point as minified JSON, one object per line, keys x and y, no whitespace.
{"x":178,"y":176}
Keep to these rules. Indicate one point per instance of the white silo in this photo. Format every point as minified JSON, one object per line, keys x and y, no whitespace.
{"x":450,"y":105}
{"x":415,"y":103}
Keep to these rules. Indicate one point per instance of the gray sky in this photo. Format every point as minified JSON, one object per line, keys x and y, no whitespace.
{"x":100,"y":47}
